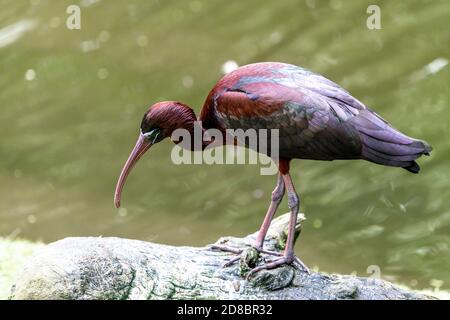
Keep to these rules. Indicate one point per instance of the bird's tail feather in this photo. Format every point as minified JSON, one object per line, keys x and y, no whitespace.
{"x":383,"y":144}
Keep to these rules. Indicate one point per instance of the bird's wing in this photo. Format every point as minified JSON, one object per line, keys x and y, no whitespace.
{"x":312,"y":120}
{"x":299,"y":78}
{"x":316,"y":118}
{"x":290,"y":82}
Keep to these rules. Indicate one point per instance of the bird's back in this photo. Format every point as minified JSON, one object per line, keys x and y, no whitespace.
{"x":316,"y":118}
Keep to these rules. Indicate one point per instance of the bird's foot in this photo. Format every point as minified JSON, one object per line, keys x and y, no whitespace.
{"x":239,"y":252}
{"x":225,"y":248}
{"x":249,"y":258}
{"x":222,"y":247}
{"x":277,"y":262}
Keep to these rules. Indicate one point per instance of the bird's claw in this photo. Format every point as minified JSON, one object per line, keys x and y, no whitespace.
{"x":302,"y":265}
{"x":271,"y":264}
{"x":228,"y":249}
{"x":239,"y":252}
{"x":225,"y":248}
{"x":231,"y":262}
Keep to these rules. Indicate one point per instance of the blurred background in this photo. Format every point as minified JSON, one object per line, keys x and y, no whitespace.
{"x":71,"y":102}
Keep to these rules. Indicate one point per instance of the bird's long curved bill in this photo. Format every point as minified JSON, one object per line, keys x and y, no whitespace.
{"x":142,"y":145}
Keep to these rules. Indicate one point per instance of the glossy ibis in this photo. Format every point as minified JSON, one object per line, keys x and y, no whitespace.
{"x":316,"y":118}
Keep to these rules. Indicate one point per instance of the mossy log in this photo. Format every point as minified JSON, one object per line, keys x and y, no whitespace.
{"x":115,"y":268}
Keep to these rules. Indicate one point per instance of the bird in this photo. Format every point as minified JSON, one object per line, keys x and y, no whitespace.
{"x":316,"y":119}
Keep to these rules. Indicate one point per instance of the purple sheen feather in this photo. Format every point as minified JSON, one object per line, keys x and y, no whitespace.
{"x":388,"y":148}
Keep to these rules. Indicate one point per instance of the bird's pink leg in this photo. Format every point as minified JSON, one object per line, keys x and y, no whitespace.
{"x":277,"y":196}
{"x":293,"y":204}
{"x":288,"y":256}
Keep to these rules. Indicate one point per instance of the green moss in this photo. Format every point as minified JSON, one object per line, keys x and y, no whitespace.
{"x":248,"y":261}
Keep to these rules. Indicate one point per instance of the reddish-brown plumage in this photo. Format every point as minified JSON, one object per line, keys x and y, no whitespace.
{"x":207,"y":117}
{"x":270,"y":98}
{"x":315,"y":118}
{"x":169,"y":116}
{"x":225,"y":95}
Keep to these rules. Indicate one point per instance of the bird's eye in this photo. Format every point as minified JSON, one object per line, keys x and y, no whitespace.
{"x":153,"y":136}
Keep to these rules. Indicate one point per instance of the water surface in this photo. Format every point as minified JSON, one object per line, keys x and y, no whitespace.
{"x":72,"y":100}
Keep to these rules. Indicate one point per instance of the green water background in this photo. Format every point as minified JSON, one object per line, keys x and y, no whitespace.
{"x":71,"y":102}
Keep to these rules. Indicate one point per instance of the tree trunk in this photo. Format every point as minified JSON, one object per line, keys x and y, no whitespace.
{"x":114,"y":268}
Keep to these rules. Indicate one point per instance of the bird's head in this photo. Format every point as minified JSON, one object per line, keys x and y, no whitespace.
{"x":157,"y":124}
